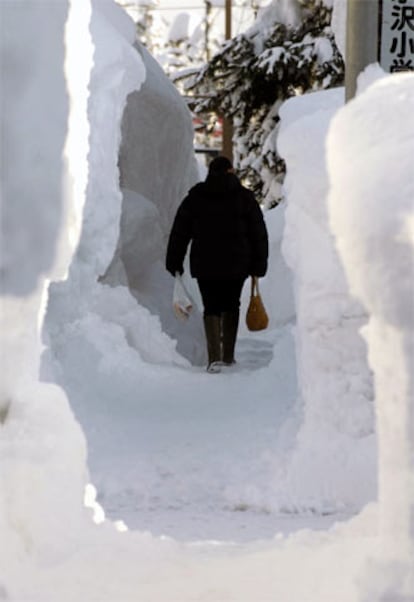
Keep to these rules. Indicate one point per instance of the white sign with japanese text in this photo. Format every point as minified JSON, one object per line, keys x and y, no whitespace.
{"x":397,"y":35}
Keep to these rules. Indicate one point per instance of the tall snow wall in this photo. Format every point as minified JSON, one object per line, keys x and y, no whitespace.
{"x":43,"y":118}
{"x":123,"y":236}
{"x":157,"y":167}
{"x":331,"y":464}
{"x":371,"y":203}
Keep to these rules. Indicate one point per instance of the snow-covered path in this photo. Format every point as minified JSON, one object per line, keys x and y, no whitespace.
{"x":183,"y":453}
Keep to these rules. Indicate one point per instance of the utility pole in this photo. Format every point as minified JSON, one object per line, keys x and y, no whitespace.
{"x":227,"y":148}
{"x":227,"y":9}
{"x":362,"y":26}
{"x":207,"y":30}
{"x":378,"y":31}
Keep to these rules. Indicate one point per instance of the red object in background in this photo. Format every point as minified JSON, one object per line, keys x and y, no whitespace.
{"x":208,"y":132}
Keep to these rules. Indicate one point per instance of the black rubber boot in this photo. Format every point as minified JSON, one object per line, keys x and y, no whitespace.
{"x":212,"y":326}
{"x":230,"y":324}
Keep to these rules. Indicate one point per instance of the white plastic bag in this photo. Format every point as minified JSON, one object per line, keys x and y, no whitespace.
{"x":182,"y":301}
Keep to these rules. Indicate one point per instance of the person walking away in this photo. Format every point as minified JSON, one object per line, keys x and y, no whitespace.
{"x":229,"y":242}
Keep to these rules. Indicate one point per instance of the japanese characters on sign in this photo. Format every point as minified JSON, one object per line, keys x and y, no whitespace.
{"x":397,"y":35}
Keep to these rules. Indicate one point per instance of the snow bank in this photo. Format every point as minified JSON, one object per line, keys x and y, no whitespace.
{"x":30,"y":218}
{"x":117,"y":71}
{"x":371,"y":205}
{"x":155,"y":176}
{"x":42,"y":448}
{"x":21,"y":270}
{"x":332,"y":464}
{"x":156,"y":157}
{"x":132,"y":567}
{"x":93,"y":309}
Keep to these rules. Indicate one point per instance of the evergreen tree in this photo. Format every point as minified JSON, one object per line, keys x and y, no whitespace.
{"x":250,"y":77}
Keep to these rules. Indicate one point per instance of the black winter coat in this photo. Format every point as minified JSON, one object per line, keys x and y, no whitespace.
{"x":225,"y":224}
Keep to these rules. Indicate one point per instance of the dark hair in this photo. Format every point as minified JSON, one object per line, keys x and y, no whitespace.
{"x":220,"y":165}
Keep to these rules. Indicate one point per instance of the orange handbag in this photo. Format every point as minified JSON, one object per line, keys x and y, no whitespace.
{"x":256,"y":316}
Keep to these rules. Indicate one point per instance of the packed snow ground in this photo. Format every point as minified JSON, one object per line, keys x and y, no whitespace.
{"x":176,"y":452}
